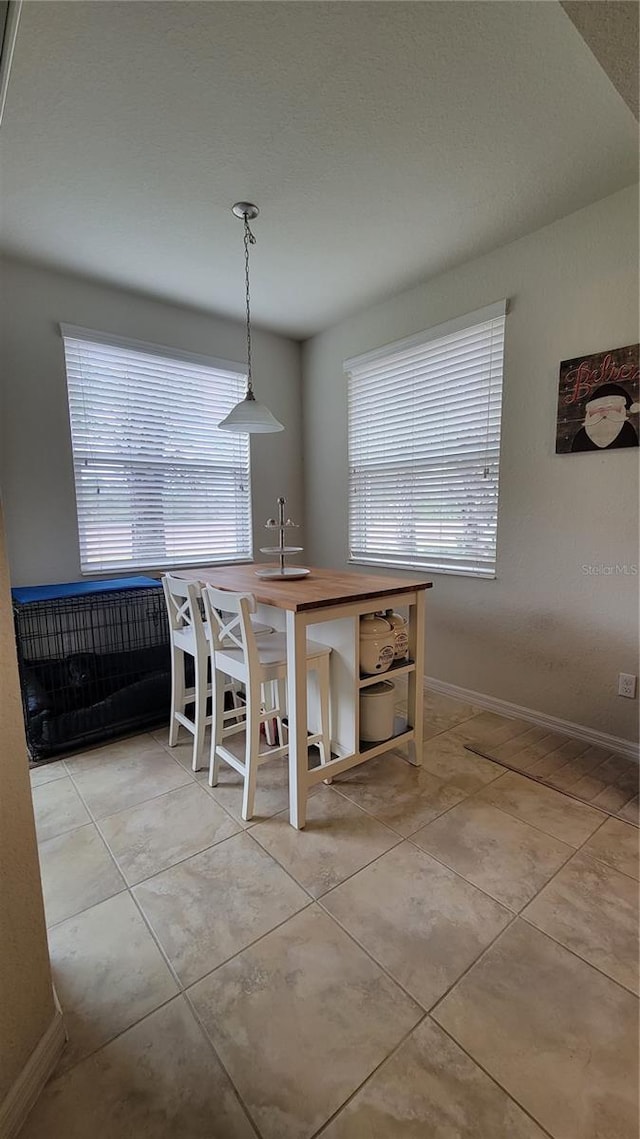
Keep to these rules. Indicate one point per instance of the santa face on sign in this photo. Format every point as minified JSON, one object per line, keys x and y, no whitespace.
{"x":606,"y":421}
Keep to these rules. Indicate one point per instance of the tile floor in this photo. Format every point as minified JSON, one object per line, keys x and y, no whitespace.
{"x":444,"y":953}
{"x":593,"y":774}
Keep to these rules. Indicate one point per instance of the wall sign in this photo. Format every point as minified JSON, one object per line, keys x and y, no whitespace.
{"x":598,"y":401}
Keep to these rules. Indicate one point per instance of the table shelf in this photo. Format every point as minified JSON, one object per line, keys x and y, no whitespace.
{"x":401,"y":668}
{"x":341,"y":763}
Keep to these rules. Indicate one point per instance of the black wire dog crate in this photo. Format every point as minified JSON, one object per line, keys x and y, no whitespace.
{"x":94,"y":662}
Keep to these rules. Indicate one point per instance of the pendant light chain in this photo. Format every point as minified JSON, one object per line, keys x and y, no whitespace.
{"x":249,"y":239}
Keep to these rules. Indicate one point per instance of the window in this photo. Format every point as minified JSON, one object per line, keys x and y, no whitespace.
{"x":424,"y":448}
{"x":157,"y":484}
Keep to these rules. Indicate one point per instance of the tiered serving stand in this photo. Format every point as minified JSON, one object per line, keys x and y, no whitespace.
{"x":281,"y":550}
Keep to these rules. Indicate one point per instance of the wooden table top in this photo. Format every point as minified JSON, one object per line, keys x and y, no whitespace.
{"x":321,"y":588}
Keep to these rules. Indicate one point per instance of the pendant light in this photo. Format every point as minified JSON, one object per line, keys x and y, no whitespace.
{"x":249,"y":415}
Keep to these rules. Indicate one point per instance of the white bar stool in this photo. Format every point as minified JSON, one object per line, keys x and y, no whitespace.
{"x":189,"y":636}
{"x":256,"y":664}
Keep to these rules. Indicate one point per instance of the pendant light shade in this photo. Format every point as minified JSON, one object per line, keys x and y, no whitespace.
{"x":249,"y":415}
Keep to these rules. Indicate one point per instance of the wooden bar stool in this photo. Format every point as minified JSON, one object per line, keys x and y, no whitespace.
{"x":257,"y":664}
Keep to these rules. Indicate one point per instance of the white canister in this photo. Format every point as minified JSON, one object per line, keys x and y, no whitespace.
{"x":377,"y":644}
{"x":377,"y":712}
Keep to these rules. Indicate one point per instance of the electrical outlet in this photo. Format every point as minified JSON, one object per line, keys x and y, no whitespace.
{"x":627,"y":685}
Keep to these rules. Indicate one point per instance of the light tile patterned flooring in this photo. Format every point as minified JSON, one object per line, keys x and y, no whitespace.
{"x":444,"y":953}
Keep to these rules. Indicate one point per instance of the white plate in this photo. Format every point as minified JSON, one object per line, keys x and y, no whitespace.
{"x":288,"y":572}
{"x":283,"y":550}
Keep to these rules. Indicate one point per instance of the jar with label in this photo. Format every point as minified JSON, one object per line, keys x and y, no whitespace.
{"x":377,"y":644}
{"x":399,"y":625}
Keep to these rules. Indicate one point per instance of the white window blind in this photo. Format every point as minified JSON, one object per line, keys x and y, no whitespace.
{"x":424,"y":447}
{"x":157,"y":484}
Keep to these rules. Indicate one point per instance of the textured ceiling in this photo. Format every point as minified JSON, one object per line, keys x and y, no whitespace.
{"x":383,"y":142}
{"x":611,"y":29}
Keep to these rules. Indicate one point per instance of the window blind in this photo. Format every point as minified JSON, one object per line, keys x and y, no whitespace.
{"x":424,"y":447}
{"x":157,"y":484}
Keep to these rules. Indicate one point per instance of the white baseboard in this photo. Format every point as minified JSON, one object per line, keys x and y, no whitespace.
{"x":23,"y":1095}
{"x":515,"y":712}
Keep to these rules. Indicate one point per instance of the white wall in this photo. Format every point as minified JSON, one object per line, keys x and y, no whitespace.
{"x":543,"y":634}
{"x":36,"y":471}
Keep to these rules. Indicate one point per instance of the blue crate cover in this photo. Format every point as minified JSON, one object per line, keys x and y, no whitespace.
{"x":24,"y":594}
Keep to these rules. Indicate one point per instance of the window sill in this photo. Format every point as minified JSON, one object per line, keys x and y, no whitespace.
{"x":410,"y":567}
{"x":178,"y":567}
